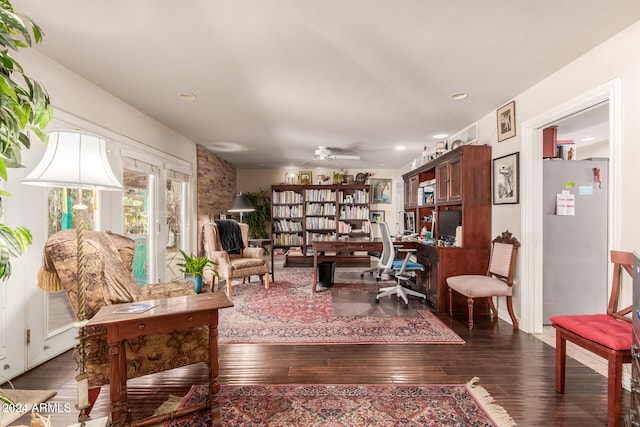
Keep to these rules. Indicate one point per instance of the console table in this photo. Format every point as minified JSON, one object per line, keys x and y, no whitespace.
{"x":170,"y":314}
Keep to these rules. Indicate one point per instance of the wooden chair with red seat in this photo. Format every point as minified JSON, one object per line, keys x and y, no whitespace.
{"x":607,"y":335}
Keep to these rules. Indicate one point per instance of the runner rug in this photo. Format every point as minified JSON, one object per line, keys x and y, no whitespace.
{"x":461,"y":405}
{"x":289,"y":313}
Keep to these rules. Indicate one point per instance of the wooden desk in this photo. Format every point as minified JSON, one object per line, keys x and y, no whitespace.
{"x":341,"y":245}
{"x":171,"y":314}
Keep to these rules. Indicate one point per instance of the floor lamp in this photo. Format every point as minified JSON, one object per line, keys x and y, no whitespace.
{"x":241,"y":204}
{"x":76,"y":160}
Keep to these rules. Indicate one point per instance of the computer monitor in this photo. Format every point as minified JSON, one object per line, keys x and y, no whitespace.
{"x":448,"y":221}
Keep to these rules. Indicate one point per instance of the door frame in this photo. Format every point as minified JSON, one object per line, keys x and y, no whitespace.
{"x":531,"y":181}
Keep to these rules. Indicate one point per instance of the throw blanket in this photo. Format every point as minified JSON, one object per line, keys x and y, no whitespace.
{"x":230,"y":236}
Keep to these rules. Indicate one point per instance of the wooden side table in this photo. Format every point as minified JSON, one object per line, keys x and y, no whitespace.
{"x":170,"y":314}
{"x":262,"y":243}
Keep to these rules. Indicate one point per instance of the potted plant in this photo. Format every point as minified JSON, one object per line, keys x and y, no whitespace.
{"x":25,"y":108}
{"x":193,"y":266}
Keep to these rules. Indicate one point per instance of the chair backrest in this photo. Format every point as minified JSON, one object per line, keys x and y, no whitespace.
{"x":211,"y":237}
{"x":621,"y":261}
{"x":108,"y":272}
{"x":502,"y":263}
{"x":388,"y":251}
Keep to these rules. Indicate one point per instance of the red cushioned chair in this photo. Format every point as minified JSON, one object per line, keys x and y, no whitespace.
{"x":607,"y":335}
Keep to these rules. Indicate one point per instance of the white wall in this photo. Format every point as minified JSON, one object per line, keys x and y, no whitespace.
{"x":616,"y":58}
{"x":93,"y":109}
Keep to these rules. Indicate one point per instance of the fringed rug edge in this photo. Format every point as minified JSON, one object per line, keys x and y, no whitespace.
{"x":499,"y":415}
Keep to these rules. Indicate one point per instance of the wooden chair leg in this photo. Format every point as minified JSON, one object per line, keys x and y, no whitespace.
{"x":450,"y":302}
{"x":470,"y":305}
{"x":514,"y":320}
{"x":561,"y":361}
{"x":266,"y":280}
{"x":492,"y":307}
{"x":614,"y":390}
{"x":229,"y":292}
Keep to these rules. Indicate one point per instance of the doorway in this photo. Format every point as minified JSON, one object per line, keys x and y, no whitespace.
{"x":575,"y":247}
{"x":531,"y":251}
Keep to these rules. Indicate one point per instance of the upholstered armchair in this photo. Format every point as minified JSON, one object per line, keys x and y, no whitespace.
{"x":109,"y":280}
{"x":237,"y":261}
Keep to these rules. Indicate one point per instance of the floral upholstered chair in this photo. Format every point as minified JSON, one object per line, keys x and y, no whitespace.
{"x":238,"y":260}
{"x":109,"y":280}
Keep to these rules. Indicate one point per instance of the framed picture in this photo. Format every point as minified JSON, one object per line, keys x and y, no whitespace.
{"x":381,"y":189}
{"x":377,"y":216}
{"x":507,"y":121}
{"x":305,"y":177}
{"x":506,"y":179}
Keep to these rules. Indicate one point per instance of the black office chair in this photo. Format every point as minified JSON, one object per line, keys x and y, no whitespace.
{"x":400,"y":268}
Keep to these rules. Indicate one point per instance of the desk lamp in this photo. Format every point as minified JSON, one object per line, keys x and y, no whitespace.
{"x":76,"y":160}
{"x":241,"y":204}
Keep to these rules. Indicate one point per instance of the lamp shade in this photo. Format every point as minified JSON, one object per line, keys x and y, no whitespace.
{"x":241,"y":204}
{"x":72,"y":159}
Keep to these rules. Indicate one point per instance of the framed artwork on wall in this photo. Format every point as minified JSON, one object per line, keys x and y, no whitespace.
{"x":306,"y":177}
{"x":381,"y":189}
{"x":506,"y":116}
{"x":506,"y":179}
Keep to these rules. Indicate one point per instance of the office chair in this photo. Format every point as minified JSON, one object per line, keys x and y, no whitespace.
{"x":378,"y":269}
{"x":398,"y":268}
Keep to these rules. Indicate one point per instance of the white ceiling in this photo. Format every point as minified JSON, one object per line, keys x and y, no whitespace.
{"x":281,"y":77}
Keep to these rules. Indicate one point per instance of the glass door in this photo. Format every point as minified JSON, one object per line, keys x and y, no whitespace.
{"x":177,"y":186}
{"x":137,"y":198}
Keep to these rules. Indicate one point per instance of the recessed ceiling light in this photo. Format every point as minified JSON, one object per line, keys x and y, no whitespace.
{"x":400,"y":147}
{"x":459,"y":95}
{"x":440,"y":135}
{"x":587,"y":139}
{"x":186,"y":96}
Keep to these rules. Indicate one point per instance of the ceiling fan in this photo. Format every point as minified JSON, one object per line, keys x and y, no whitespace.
{"x":325,"y":153}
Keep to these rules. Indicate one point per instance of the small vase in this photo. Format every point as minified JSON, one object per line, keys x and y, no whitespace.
{"x":198,"y":284}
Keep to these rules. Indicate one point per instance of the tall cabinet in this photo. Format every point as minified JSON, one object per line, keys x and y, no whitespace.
{"x":304,"y":213}
{"x":458,"y":180}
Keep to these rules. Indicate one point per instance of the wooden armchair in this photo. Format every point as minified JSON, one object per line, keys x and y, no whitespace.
{"x":232,"y":264}
{"x":607,"y":335}
{"x":109,"y":280}
{"x":497,"y":282}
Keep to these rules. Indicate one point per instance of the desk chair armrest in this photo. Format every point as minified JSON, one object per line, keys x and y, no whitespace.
{"x":407,"y":250}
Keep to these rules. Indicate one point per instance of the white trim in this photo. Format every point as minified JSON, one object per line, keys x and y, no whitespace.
{"x":531,"y":182}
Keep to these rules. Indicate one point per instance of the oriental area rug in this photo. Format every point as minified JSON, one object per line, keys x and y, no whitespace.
{"x":289,"y":313}
{"x":460,"y":405}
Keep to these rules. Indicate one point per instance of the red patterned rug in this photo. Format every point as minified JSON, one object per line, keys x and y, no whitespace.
{"x":289,"y":313}
{"x":461,"y":405}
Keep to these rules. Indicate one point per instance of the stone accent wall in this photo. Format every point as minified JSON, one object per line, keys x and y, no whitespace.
{"x":216,"y":182}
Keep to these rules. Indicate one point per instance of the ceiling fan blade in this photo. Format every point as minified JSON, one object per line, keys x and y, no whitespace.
{"x":346,"y":157}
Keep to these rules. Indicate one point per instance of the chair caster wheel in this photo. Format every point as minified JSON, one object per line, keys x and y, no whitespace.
{"x":406,"y":306}
{"x":362,"y":275}
{"x":377,"y":279}
{"x":423,"y":300}
{"x":377,"y":301}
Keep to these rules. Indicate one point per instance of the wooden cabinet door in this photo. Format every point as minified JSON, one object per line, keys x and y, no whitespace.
{"x":455,"y":179}
{"x":411,"y":192}
{"x":449,"y":181}
{"x":442,"y":183}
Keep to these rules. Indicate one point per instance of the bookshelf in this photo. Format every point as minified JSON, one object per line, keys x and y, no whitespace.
{"x":303,"y":213}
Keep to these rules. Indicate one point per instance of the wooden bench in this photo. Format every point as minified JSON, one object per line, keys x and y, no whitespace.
{"x":607,"y":335}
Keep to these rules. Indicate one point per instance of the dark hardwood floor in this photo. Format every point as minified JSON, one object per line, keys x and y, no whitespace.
{"x":516,"y":368}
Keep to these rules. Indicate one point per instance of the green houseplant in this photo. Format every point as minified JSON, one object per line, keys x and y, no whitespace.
{"x":24,"y":107}
{"x":193,"y":266}
{"x":259,"y":220}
